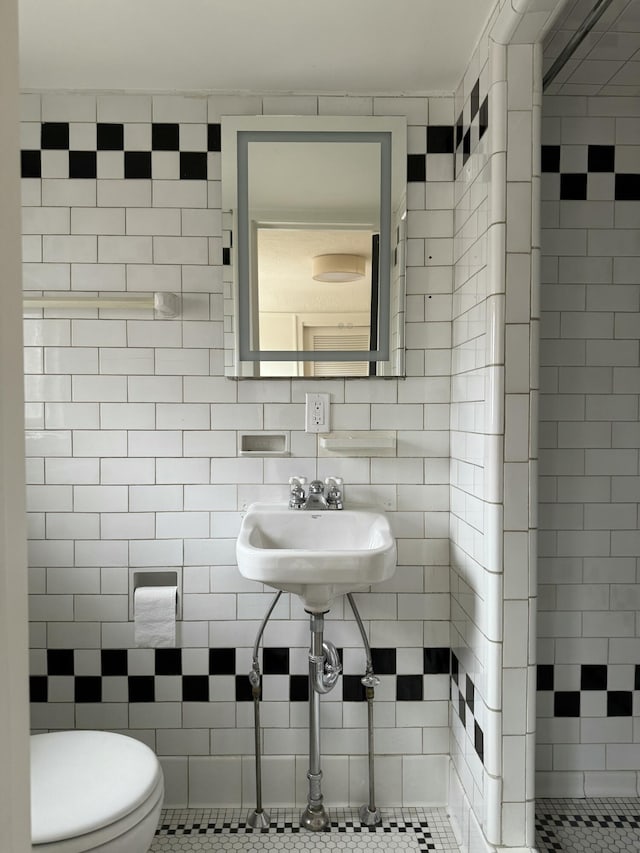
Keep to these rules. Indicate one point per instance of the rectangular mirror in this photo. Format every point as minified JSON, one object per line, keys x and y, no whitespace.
{"x":318,"y":209}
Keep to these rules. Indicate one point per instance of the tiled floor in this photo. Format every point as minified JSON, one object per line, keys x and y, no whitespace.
{"x":409,"y":829}
{"x":588,"y":826}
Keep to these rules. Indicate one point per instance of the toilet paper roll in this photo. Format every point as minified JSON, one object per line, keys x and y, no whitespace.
{"x":154,"y":616}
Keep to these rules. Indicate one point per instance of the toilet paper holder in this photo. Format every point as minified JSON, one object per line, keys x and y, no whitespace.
{"x":156,"y":577}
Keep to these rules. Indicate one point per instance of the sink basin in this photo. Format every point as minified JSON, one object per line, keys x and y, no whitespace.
{"x":316,"y":555}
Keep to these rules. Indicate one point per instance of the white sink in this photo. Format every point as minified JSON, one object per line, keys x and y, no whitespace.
{"x":316,"y":555}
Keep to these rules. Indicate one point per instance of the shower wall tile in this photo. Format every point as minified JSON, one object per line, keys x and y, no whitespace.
{"x":589,"y":463}
{"x":133,"y":457}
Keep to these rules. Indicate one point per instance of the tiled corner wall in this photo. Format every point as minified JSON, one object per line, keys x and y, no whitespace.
{"x":588,"y":680}
{"x":469,"y":371}
{"x":517,"y":689}
{"x":132,"y":461}
{"x":494,"y":435}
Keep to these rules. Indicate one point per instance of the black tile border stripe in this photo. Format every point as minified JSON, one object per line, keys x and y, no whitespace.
{"x":137,"y":165}
{"x":458,"y":140}
{"x":471,"y":125}
{"x":592,"y":678}
{"x":165,"y":137}
{"x":463,"y":694}
{"x":599,"y":160}
{"x":142,"y":686}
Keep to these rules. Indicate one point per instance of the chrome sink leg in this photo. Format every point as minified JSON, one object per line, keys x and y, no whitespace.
{"x":369,"y":813}
{"x":258,"y":818}
{"x":324,"y":669}
{"x":314,"y":817}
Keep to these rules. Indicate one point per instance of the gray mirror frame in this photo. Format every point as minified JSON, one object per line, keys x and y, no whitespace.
{"x":390,"y":133}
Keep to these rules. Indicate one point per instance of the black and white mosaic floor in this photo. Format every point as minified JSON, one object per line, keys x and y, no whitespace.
{"x":588,"y":826}
{"x":407,"y":829}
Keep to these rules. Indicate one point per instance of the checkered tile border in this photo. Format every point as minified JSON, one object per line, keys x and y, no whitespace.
{"x":578,"y":182}
{"x":565,"y":694}
{"x":440,"y":140}
{"x":118,"y":674}
{"x":463,"y":700}
{"x":471,"y":125}
{"x":56,"y":157}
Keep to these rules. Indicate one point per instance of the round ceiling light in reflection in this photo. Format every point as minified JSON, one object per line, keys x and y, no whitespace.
{"x":338,"y":267}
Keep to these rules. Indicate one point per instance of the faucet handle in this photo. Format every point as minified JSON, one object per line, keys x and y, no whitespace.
{"x":333,"y":482}
{"x":334,"y":492}
{"x":296,"y":496}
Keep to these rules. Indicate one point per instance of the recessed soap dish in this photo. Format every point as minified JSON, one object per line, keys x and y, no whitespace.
{"x":263,"y":444}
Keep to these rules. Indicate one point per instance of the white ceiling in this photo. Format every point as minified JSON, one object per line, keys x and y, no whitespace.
{"x":608,"y":60}
{"x":329,"y":46}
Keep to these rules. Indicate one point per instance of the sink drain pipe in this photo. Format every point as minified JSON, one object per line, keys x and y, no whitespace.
{"x":369,"y":813}
{"x":258,"y":818}
{"x":324,"y":669}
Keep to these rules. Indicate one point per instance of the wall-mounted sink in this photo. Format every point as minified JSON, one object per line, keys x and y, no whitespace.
{"x":316,"y":555}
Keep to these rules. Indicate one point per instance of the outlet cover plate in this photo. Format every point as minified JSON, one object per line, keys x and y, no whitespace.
{"x":317,"y":412}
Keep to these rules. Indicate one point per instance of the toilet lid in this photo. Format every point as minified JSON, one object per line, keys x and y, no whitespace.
{"x":84,"y":780}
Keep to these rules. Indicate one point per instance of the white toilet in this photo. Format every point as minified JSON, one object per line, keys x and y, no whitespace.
{"x":93,"y":792}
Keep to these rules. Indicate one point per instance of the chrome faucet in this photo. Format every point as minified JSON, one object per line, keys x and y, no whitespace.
{"x":317,"y":498}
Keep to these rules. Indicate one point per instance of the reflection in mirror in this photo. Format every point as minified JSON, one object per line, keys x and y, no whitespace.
{"x":300,"y":312}
{"x":319,"y":210}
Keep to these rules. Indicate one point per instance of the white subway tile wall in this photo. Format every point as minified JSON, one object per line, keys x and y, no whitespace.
{"x":589,"y":653}
{"x":467,"y":425}
{"x":133,"y":460}
{"x":493,"y":442}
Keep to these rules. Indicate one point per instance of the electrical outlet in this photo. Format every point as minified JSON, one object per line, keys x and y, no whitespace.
{"x":317,"y":413}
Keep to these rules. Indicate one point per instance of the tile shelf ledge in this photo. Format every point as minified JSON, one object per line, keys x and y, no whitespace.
{"x":378,"y":442}
{"x":163,"y":305}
